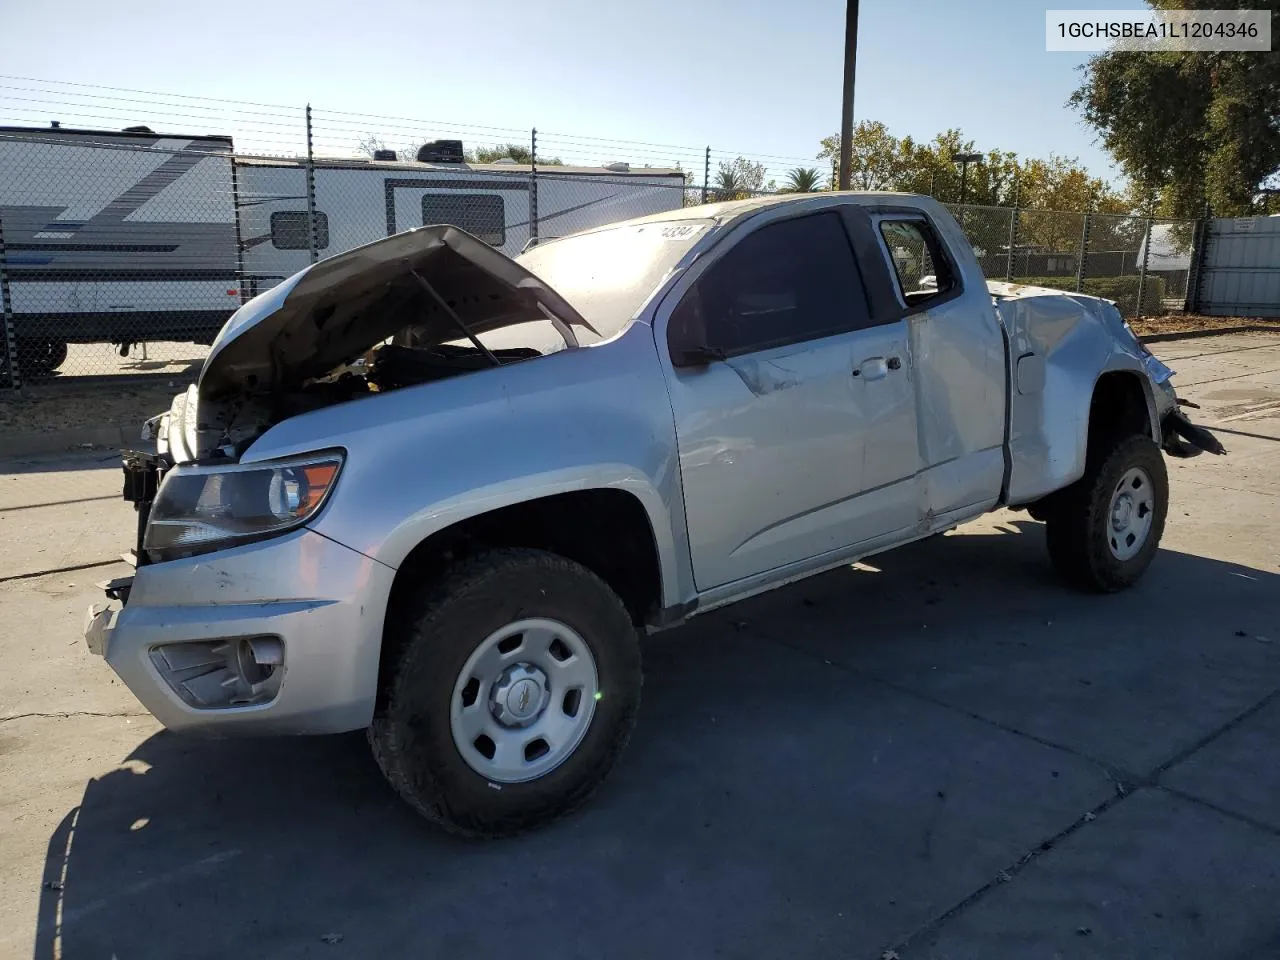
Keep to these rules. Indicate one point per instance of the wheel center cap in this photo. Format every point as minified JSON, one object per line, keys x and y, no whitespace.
{"x":523,"y":699}
{"x":1120,"y":516}
{"x":519,"y":696}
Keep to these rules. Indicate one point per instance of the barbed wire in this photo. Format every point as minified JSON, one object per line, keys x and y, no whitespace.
{"x":260,"y":122}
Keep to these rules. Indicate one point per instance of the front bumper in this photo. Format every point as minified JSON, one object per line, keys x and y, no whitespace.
{"x":1178,"y":435}
{"x":317,"y":605}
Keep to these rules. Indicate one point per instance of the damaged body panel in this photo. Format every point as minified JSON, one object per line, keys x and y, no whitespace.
{"x":615,"y":431}
{"x":1060,"y":345}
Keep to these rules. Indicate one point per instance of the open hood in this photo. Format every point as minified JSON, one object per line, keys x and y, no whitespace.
{"x":335,"y":310}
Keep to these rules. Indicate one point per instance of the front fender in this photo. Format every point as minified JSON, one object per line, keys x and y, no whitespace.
{"x":1132,"y":362}
{"x":464,"y":505}
{"x":423,"y":458}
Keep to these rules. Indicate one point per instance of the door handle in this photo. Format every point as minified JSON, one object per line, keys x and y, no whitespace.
{"x":872,"y":368}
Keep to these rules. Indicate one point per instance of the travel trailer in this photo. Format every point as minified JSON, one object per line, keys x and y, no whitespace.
{"x":130,"y":236}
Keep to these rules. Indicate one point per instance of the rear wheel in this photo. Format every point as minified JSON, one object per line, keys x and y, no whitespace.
{"x":40,"y":356}
{"x":515,"y":690}
{"x":1104,"y":530}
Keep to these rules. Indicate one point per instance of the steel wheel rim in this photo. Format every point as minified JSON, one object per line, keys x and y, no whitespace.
{"x":524,"y":700}
{"x":1130,"y":514}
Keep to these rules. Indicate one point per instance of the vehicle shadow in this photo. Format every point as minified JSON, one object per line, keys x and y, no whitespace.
{"x":808,"y":777}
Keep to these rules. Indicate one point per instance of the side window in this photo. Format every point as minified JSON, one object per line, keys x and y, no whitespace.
{"x":919,"y":264}
{"x":289,"y":230}
{"x":787,"y":282}
{"x":481,"y":214}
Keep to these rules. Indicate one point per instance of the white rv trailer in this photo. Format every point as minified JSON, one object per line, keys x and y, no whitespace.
{"x":358,"y":201}
{"x":125,"y":237}
{"x":115,"y":237}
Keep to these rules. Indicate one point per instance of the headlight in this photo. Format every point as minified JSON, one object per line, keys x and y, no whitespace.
{"x":202,"y":508}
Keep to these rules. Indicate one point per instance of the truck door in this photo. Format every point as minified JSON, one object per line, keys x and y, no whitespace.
{"x":957,"y":354}
{"x":794,"y":412}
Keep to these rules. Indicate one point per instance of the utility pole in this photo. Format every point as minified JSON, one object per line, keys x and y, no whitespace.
{"x":846,"y":106}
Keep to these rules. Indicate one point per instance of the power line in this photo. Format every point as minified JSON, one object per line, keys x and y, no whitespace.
{"x":152,"y":93}
{"x":94,"y":96}
{"x":353,"y":122}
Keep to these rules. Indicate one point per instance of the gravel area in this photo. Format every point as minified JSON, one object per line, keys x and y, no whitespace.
{"x":68,"y":405}
{"x":1174,"y":324}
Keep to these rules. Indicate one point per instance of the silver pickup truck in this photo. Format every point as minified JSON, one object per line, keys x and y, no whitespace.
{"x":428,"y":490}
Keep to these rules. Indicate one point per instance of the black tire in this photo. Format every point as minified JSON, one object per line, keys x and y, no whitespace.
{"x":1078,"y":526}
{"x":39,"y":356}
{"x":411,"y":735}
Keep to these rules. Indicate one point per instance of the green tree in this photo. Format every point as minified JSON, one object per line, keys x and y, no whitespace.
{"x":875,"y":160}
{"x":932,"y":168}
{"x":1060,"y":184}
{"x":737,"y":179}
{"x":1190,"y":127}
{"x":802,"y":180}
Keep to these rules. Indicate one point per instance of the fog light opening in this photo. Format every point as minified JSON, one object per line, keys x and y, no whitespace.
{"x":212,"y":674}
{"x":257,"y":659}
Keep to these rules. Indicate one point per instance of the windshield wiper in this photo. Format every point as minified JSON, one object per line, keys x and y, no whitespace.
{"x":701,"y":355}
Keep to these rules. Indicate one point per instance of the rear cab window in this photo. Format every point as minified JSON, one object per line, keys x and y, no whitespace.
{"x":922,"y":271}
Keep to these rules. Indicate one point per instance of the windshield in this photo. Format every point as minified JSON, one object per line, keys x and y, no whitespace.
{"x":609,"y":274}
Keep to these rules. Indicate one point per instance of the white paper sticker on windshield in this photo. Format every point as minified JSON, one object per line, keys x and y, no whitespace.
{"x":681,"y":232}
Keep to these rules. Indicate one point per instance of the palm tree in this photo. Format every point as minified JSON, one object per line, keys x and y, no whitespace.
{"x":728,"y":184}
{"x":803,"y":180}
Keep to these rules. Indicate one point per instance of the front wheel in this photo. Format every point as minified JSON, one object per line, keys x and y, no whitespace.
{"x":515,"y":690}
{"x":1103,"y":531}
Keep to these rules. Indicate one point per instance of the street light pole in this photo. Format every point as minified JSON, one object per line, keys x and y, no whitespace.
{"x":964,"y":159}
{"x":846,"y":105}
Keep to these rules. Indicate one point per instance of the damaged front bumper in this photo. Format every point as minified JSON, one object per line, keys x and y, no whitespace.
{"x":281,"y":636}
{"x":1178,"y":435}
{"x":278,"y":636}
{"x":1184,"y":439}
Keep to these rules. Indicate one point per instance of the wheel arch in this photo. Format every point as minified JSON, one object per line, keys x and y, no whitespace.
{"x":608,"y":530}
{"x":1121,"y":404}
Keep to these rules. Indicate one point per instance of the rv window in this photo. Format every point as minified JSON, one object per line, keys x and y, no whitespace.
{"x":481,"y":214}
{"x":289,"y":230}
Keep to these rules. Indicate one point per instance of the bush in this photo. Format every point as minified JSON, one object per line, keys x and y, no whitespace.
{"x":1123,"y":290}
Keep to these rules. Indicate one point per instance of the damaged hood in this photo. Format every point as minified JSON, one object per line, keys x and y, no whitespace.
{"x":336,"y":309}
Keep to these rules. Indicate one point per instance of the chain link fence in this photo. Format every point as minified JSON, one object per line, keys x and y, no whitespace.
{"x":1141,"y":263}
{"x":126,"y":252}
{"x":110,"y":242}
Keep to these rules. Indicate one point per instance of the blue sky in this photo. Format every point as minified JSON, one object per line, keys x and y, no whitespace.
{"x":757,"y":77}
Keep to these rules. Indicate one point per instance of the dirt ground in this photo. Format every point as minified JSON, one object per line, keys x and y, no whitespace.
{"x":66,"y":405}
{"x":1174,"y":324}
